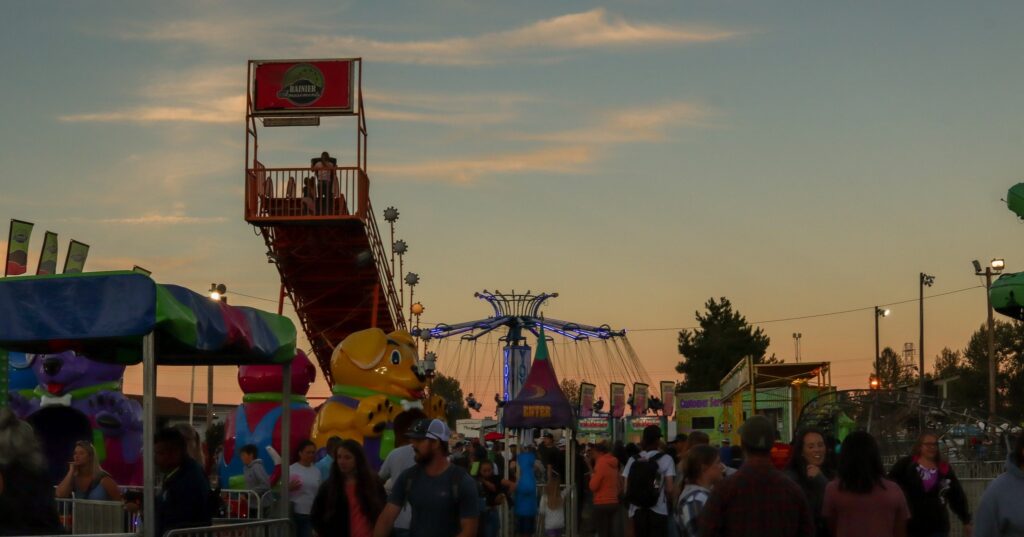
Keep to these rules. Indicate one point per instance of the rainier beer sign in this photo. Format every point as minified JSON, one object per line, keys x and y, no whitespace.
{"x":296,"y":88}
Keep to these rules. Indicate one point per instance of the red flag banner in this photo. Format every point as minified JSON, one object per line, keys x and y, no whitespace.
{"x":639,"y":399}
{"x":74,"y":263}
{"x":668,"y":397}
{"x":17,"y":247}
{"x":48,"y":256}
{"x":618,"y":395}
{"x":587,"y":400}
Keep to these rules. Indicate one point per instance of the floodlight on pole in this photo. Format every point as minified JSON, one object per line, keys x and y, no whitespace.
{"x":217,"y":292}
{"x":879,"y":313}
{"x":998,"y":265}
{"x":924,"y":280}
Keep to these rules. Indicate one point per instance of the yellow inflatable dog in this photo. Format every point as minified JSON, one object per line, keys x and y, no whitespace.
{"x":377,"y":377}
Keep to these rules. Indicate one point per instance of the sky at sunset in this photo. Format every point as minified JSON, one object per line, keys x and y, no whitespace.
{"x":638,"y":157}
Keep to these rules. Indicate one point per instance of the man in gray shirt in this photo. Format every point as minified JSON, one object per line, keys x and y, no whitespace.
{"x":399,"y":460}
{"x":443,"y":497}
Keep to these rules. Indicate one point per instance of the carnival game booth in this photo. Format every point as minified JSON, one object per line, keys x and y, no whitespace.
{"x":777,"y":391}
{"x":127,"y":318}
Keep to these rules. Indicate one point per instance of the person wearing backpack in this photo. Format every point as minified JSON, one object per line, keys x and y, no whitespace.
{"x":443,"y":497}
{"x":649,"y":480}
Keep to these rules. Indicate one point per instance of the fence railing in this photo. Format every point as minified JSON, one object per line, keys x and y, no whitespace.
{"x":278,"y":527}
{"x":304,"y":194}
{"x":241,"y":504}
{"x":395,"y":302}
{"x":93,"y":516}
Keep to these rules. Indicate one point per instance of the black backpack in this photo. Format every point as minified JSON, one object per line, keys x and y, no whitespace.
{"x":643,"y":485}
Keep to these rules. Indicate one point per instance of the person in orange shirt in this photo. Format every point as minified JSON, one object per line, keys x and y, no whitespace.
{"x":604,"y":483}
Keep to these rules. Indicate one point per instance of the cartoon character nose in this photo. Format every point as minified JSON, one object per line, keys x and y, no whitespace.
{"x":51,"y":366}
{"x":419,"y":373}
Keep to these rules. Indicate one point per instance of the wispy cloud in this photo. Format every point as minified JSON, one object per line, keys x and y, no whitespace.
{"x":223,"y":110}
{"x":637,"y":124}
{"x":468,"y":170}
{"x":164,"y":219}
{"x":594,"y":29}
{"x":450,"y":109}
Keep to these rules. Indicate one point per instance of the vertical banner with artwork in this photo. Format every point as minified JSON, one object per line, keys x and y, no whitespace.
{"x":74,"y":263}
{"x":587,"y":400}
{"x":668,"y":397}
{"x":48,"y":256}
{"x":639,"y":399}
{"x":618,"y":394}
{"x":17,"y":247}
{"x":515,"y":368}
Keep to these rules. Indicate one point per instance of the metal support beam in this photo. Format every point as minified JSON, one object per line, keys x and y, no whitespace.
{"x":286,"y":439}
{"x":148,"y":433}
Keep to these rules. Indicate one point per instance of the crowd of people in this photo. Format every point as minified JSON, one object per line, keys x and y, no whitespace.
{"x":439,"y":484}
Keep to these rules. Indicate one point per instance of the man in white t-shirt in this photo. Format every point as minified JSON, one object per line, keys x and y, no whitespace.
{"x":653,"y":519}
{"x":399,"y":460}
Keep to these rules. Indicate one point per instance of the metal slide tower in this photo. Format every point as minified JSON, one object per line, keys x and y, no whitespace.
{"x":318,"y":222}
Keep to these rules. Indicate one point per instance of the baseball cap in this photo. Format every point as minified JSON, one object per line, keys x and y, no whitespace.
{"x":757,"y":433}
{"x":434,"y":429}
{"x":652,"y":433}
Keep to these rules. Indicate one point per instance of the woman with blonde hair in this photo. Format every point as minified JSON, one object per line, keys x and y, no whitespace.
{"x":85,"y":479}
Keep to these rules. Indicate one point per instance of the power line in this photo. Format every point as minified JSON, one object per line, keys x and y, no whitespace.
{"x":817,"y":315}
{"x":768,"y":321}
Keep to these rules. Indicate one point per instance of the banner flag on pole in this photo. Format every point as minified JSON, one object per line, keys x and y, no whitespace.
{"x":639,"y":399}
{"x":668,"y":397}
{"x":587,"y":400}
{"x":75,"y":261}
{"x":48,"y":256}
{"x":618,"y":395}
{"x":17,"y":247}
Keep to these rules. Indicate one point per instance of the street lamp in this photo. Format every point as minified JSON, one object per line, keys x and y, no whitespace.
{"x":879,"y":313}
{"x":925,"y":280}
{"x":218,"y":293}
{"x":995,"y":267}
{"x":796,"y":345}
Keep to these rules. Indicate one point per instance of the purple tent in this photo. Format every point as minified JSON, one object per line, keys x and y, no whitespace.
{"x":540,"y":403}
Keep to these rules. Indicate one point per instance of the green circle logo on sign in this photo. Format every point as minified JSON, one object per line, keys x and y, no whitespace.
{"x":302,"y":84}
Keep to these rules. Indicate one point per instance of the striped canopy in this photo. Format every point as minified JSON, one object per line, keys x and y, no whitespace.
{"x":105,"y":315}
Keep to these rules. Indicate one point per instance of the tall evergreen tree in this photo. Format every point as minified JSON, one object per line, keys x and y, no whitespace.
{"x":723,"y":339}
{"x":970,"y":388}
{"x":451,"y":390}
{"x":892,"y":372}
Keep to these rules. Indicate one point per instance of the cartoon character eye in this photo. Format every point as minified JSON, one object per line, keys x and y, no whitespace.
{"x":396,"y":357}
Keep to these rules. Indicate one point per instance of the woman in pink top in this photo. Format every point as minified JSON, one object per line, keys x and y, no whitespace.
{"x":861,"y":503}
{"x":351,"y":499}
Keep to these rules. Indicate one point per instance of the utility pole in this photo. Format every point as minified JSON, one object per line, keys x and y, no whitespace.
{"x":879,"y":313}
{"x":993,"y":268}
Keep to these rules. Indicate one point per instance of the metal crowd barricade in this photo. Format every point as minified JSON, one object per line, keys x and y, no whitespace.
{"x":276,"y":527}
{"x":91,"y":516}
{"x":974,"y":487}
{"x":241,"y":504}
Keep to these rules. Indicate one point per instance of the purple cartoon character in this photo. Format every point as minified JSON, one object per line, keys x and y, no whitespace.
{"x":80,"y":399}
